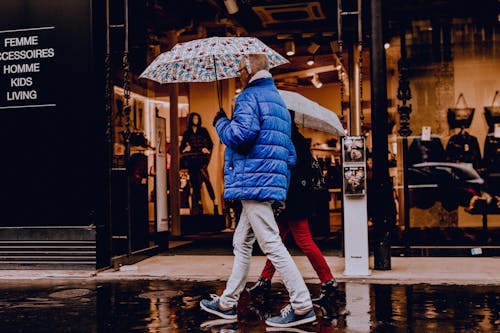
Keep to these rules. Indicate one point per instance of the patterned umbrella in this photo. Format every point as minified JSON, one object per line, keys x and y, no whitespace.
{"x":207,"y":60}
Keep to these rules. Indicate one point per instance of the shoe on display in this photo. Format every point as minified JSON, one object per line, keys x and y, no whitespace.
{"x":288,"y":318}
{"x":212,"y":306}
{"x":328,"y":289}
{"x":261,"y":287}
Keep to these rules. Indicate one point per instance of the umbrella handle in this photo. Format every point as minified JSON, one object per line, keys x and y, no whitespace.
{"x":219,"y":90}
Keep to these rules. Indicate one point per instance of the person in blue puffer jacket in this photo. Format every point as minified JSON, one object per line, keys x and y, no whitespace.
{"x":258,"y":159}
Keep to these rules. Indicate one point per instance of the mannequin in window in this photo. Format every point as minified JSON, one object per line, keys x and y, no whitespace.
{"x":196,"y":149}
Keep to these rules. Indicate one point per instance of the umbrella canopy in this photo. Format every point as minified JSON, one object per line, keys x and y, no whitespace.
{"x":207,"y":60}
{"x":312,"y":115}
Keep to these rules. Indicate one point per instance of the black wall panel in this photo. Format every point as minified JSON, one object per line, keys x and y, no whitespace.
{"x":53,"y":162}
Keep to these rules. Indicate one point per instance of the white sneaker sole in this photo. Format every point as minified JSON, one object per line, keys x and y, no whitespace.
{"x":217,"y":313}
{"x":217,"y":322}
{"x":287,"y":329}
{"x":295,"y":323}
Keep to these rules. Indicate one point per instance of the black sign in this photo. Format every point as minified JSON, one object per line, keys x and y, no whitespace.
{"x":27,"y":65}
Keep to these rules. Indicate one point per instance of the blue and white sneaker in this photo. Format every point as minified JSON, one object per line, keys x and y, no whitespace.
{"x":212,"y":306}
{"x":288,"y":318}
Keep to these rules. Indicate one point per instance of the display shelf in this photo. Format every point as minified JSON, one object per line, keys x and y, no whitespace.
{"x":335,"y":203}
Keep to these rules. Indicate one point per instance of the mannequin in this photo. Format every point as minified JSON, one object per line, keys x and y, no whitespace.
{"x":196,"y":149}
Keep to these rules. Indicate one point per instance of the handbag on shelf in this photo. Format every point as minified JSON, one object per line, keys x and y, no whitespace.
{"x":460,"y":117}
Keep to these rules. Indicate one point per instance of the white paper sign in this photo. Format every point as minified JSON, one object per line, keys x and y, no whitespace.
{"x":426,"y":133}
{"x":497,"y":130}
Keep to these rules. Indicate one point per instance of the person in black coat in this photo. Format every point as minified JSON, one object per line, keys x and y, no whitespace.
{"x":295,"y":219}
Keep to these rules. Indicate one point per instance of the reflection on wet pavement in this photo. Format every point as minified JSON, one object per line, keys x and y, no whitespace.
{"x":173,"y":306}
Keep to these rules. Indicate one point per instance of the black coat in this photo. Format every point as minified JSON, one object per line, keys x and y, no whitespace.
{"x":463,"y":147}
{"x":195,"y":158}
{"x":299,"y":200}
{"x":425,"y":151}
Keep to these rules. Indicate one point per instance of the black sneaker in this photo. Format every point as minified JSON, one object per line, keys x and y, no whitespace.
{"x":261,"y":287}
{"x":328,"y":289}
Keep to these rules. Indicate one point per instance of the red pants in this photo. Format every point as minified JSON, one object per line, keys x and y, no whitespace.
{"x":302,"y":237}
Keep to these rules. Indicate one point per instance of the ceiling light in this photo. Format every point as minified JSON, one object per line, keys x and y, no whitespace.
{"x":387,"y":45}
{"x":310,"y":61}
{"x":290,"y":48}
{"x":231,"y":6}
{"x":316,"y":82}
{"x":313,"y":48}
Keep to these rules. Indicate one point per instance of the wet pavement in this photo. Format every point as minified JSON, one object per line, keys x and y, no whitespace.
{"x":173,"y":306}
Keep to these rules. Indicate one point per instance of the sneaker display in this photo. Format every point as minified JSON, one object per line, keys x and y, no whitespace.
{"x":288,"y":318}
{"x":212,"y":306}
{"x":328,"y":289}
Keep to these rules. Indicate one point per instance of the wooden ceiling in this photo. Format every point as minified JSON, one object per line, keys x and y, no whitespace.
{"x":303,"y":22}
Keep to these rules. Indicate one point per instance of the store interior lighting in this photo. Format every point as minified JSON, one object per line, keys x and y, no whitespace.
{"x":316,"y":82}
{"x":290,"y":48}
{"x":231,"y":6}
{"x":310,"y":61}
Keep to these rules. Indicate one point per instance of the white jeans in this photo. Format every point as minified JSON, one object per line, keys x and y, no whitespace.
{"x":257,"y":222}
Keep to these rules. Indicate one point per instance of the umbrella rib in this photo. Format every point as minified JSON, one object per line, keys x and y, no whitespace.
{"x":219,"y":93}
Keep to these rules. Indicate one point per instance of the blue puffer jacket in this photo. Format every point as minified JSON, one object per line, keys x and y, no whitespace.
{"x":259,"y":153}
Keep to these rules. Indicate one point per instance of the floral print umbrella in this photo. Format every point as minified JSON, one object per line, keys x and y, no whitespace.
{"x":207,"y":60}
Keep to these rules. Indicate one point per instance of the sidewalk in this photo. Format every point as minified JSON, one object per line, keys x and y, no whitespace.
{"x":405,"y":270}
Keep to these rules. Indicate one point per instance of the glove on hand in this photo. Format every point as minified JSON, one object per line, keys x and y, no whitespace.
{"x":220,"y":114}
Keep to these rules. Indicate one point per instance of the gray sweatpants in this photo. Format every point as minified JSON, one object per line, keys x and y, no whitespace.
{"x":257,"y":222}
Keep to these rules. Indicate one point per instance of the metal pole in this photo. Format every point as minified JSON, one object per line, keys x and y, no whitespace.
{"x":355,"y":91}
{"x":109,"y":131}
{"x":404,"y":110}
{"x":381,"y":189}
{"x":175,"y":200}
{"x":126,"y":94}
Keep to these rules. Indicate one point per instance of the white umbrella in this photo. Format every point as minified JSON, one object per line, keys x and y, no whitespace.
{"x":310,"y":114}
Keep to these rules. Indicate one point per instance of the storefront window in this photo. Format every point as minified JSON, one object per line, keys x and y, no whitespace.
{"x":453,"y":156}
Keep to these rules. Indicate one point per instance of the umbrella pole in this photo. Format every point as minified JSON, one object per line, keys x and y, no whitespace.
{"x":219,"y":89}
